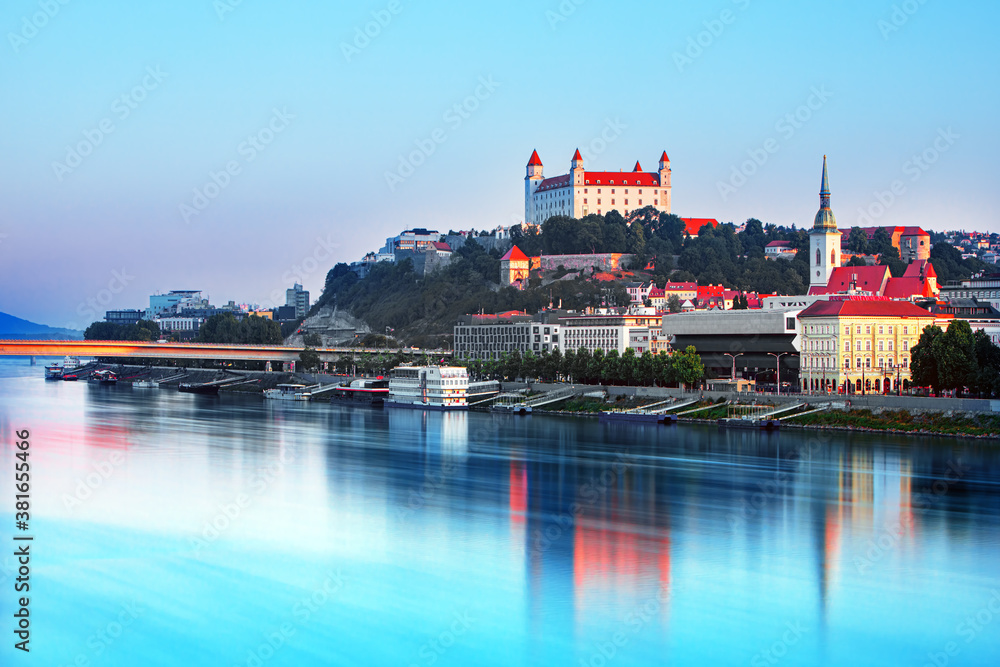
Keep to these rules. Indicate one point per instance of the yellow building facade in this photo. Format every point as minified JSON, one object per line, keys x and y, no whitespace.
{"x":859,"y":345}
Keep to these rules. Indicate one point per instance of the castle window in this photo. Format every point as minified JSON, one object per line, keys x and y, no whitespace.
{"x":626,"y":190}
{"x":640,"y":202}
{"x":584,"y":200}
{"x":612,"y":189}
{"x":612,"y":202}
{"x":598,"y":202}
{"x":626,"y":202}
{"x":818,"y":260}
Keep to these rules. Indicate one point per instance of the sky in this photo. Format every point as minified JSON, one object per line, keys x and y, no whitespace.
{"x":237,"y":146}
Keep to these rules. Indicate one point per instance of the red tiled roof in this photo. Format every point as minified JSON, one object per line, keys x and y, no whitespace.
{"x":554,"y":182}
{"x":535,"y":160}
{"x":866,"y":279}
{"x":664,"y":158}
{"x":705,"y":291}
{"x":442,"y":246}
{"x":620,"y":178}
{"x":778,"y":244}
{"x":638,"y":167}
{"x":515,"y":254}
{"x":920,"y":267}
{"x":864,"y":307}
{"x":677,"y":287}
{"x":914,"y":231}
{"x":692,"y":225}
{"x":906,"y":288}
{"x":577,"y":156}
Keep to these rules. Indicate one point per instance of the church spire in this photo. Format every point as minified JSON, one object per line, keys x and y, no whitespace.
{"x":825,"y":219}
{"x":824,"y":189}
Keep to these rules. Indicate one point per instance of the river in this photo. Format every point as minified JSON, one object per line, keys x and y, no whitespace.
{"x":175,"y":529}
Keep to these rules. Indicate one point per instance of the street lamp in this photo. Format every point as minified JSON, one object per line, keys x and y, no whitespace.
{"x":738,"y":354}
{"x":777,"y":368}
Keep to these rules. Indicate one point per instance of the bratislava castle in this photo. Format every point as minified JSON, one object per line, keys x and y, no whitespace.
{"x":580,"y":193}
{"x":824,"y":239}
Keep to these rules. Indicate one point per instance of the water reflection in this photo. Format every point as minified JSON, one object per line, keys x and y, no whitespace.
{"x":564,"y":539}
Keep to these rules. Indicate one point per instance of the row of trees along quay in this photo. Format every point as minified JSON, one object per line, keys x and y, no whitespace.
{"x":956,"y":359}
{"x":648,"y":369}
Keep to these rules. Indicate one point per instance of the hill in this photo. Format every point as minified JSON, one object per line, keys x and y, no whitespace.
{"x":14,"y":328}
{"x":421,"y":310}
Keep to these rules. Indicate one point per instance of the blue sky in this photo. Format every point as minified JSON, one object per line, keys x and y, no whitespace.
{"x":712,"y":83}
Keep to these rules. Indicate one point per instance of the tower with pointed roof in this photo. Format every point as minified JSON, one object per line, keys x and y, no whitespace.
{"x":824,"y":239}
{"x":532,"y":180}
{"x":581,"y":193}
{"x":665,"y":180}
{"x":514,"y":268}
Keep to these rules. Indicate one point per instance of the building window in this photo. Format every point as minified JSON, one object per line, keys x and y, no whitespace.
{"x":906,"y":330}
{"x":847,"y":346}
{"x":612,"y":189}
{"x":906,"y":346}
{"x":880,"y":329}
{"x":858,"y":362}
{"x":859,"y":330}
{"x":868,"y":331}
{"x":890,"y":330}
{"x":890,"y":346}
{"x":881,"y":346}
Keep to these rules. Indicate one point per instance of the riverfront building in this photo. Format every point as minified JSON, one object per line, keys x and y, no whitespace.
{"x":859,"y":344}
{"x":580,"y":193}
{"x":493,"y":336}
{"x":749,"y":342}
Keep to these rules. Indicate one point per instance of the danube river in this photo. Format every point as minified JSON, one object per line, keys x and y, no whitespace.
{"x":174,"y":529}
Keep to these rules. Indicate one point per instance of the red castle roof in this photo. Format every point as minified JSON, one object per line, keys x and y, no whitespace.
{"x":664,"y":158}
{"x":577,"y":156}
{"x":535,"y":160}
{"x":638,"y":167}
{"x":514,"y":254}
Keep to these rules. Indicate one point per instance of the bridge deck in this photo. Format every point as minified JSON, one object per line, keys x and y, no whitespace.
{"x":212,"y":351}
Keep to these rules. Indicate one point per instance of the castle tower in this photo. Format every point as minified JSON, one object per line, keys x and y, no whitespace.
{"x":824,"y":239}
{"x":576,"y":168}
{"x":664,"y":181}
{"x":532,"y":180}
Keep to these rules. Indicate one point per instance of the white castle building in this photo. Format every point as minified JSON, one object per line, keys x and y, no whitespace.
{"x":580,"y":193}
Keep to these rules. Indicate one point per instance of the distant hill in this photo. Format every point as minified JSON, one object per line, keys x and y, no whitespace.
{"x":14,"y":328}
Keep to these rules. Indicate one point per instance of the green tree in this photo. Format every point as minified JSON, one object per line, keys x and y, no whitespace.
{"x":923,"y":365}
{"x":674,"y":303}
{"x":857,"y":241}
{"x":611,"y":368}
{"x":312,"y":340}
{"x":955,"y":354}
{"x":629,"y":372}
{"x":309,"y":359}
{"x":688,"y":367}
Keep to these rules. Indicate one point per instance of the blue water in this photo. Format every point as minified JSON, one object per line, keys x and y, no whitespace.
{"x":173,"y":529}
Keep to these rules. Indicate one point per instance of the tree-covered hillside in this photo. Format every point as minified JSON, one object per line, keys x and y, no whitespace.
{"x":420,"y":309}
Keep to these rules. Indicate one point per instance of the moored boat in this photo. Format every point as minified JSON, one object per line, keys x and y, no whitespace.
{"x":370,"y":391}
{"x":287,"y":392}
{"x":54,"y":372}
{"x":429,"y":387}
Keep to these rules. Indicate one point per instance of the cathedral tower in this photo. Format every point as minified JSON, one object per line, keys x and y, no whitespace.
{"x":824,"y":239}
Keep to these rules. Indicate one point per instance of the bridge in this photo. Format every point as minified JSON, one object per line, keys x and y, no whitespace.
{"x":209,"y":351}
